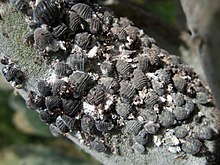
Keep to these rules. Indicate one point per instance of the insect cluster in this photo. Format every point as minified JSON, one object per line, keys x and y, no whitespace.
{"x":113,"y":81}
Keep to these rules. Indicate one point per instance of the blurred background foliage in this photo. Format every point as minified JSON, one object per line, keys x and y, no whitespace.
{"x":24,"y":140}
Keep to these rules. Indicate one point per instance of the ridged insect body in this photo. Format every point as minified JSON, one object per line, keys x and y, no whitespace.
{"x":95,"y":26}
{"x":96,"y":95}
{"x":143,"y":64}
{"x":42,"y":38}
{"x":166,"y":118}
{"x":82,"y":81}
{"x":13,"y":74}
{"x":202,"y":98}
{"x":76,"y":24}
{"x":139,"y":80}
{"x":57,"y":86}
{"x":44,"y":88}
{"x":164,"y":76}
{"x":151,"y":99}
{"x":205,"y":133}
{"x":47,"y":12}
{"x":152,"y":127}
{"x":179,"y":83}
{"x":189,"y":105}
{"x":77,"y":61}
{"x":192,"y":146}
{"x":127,"y":91}
{"x":123,"y":68}
{"x":83,"y":10}
{"x":61,"y":31}
{"x":181,"y":113}
{"x":71,"y":106}
{"x":98,"y":146}
{"x":158,"y":87}
{"x":180,"y":131}
{"x":61,"y":125}
{"x":87,"y":123}
{"x":178,"y":99}
{"x":20,"y":5}
{"x":110,"y":84}
{"x":133,"y":127}
{"x":68,"y":121}
{"x":62,"y":69}
{"x":83,"y":40}
{"x":123,"y":109}
{"x":35,"y":101}
{"x":149,"y":115}
{"x":104,"y":125}
{"x":46,"y":117}
{"x":107,"y":68}
{"x":53,"y":104}
{"x":142,"y":137}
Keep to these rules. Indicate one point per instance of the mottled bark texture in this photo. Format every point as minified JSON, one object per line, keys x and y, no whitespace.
{"x":203,"y":18}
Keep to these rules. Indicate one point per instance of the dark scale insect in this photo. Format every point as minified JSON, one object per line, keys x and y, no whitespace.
{"x":53,"y":104}
{"x":29,"y":38}
{"x":178,"y":99}
{"x":83,"y":10}
{"x":57,"y":86}
{"x":192,"y":146}
{"x":61,"y":31}
{"x":202,"y":98}
{"x":107,"y":68}
{"x":139,"y":80}
{"x":47,"y":12}
{"x":142,"y":137}
{"x":164,"y":75}
{"x":110,"y":84}
{"x":180,"y":131}
{"x":96,"y":95}
{"x":62,"y":70}
{"x":95,"y":26}
{"x":158,"y":87}
{"x":44,"y":88}
{"x":143,"y":64}
{"x":154,"y":62}
{"x":68,"y":121}
{"x":42,"y":38}
{"x":87,"y":123}
{"x":167,"y":118}
{"x":133,"y":127}
{"x":46,"y":117}
{"x":151,"y":99}
{"x":152,"y":127}
{"x":98,"y":146}
{"x":104,"y":125}
{"x":127,"y":91}
{"x":189,"y":105}
{"x":76,"y":24}
{"x":205,"y":133}
{"x":149,"y":115}
{"x":179,"y":83}
{"x":123,"y":109}
{"x":122,"y":35}
{"x":181,"y":113}
{"x":61,"y":125}
{"x":108,"y":18}
{"x":77,"y":61}
{"x":123,"y":68}
{"x":20,"y":5}
{"x":71,"y":106}
{"x":82,"y":81}
{"x":35,"y":101}
{"x":83,"y":40}
{"x":13,"y":74}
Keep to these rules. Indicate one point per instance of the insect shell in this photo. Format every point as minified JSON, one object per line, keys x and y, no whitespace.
{"x":57,"y":86}
{"x":166,"y":118}
{"x":110,"y":84}
{"x":68,"y":121}
{"x":98,"y":146}
{"x":61,"y":125}
{"x":143,"y":64}
{"x":76,"y":24}
{"x":179,"y":83}
{"x":83,"y":40}
{"x":62,"y":70}
{"x":20,"y":5}
{"x":95,"y":26}
{"x":77,"y":61}
{"x":104,"y":125}
{"x":87,"y":123}
{"x":96,"y":95}
{"x":142,"y":137}
{"x":44,"y":88}
{"x":123,"y":68}
{"x":107,"y":68}
{"x":180,"y":113}
{"x":46,"y":117}
{"x":158,"y":87}
{"x":42,"y":38}
{"x":189,"y":105}
{"x":202,"y":98}
{"x":138,"y":148}
{"x":180,"y":131}
{"x":139,"y":80}
{"x":152,"y":127}
{"x":71,"y":106}
{"x":191,"y":146}
{"x":127,"y":91}
{"x":123,"y":109}
{"x":178,"y":99}
{"x":151,"y":99}
{"x":164,"y":75}
{"x":133,"y":127}
{"x":82,"y":81}
{"x":47,"y":12}
{"x":61,"y":31}
{"x":83,"y":10}
{"x":53,"y":104}
{"x":149,"y":115}
{"x":36,"y":101}
{"x":205,"y":132}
